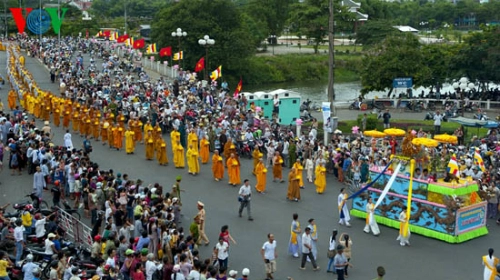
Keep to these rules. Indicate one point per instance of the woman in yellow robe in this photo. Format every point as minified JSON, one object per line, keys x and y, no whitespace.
{"x":12,"y":99}
{"x":204,"y":150}
{"x":193,"y":140}
{"x":162,"y":153}
{"x":233,"y":170}
{"x":192,"y":159}
{"x":129,"y":141}
{"x":277,"y":167}
{"x":260,"y":173}
{"x":298,"y":166}
{"x":118,"y":138}
{"x":256,"y":155}
{"x":179,"y":155}
{"x":217,"y":166}
{"x":320,"y":181}
{"x":150,"y":145}
{"x":57,"y":117}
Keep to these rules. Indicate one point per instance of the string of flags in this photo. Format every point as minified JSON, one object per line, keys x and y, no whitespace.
{"x":167,"y":52}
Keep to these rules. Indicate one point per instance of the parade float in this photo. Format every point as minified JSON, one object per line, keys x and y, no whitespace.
{"x":453,"y":212}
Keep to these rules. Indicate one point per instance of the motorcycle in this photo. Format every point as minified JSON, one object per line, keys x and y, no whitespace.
{"x":481,"y":117}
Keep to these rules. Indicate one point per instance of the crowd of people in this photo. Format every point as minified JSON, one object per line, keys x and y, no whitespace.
{"x":135,"y":225}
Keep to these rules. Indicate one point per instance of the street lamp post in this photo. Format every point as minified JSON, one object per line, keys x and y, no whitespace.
{"x":461,"y":86}
{"x":273,"y":41}
{"x":425,"y":23}
{"x":206,"y":42}
{"x":179,"y":34}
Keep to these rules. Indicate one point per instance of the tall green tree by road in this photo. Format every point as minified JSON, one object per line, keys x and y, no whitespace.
{"x":374,"y":32}
{"x":273,"y":13}
{"x":220,"y":19}
{"x":310,"y":18}
{"x":396,"y":56}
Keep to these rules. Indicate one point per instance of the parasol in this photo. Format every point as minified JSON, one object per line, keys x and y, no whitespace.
{"x":395,"y":132}
{"x":374,"y":134}
{"x":430,"y":143}
{"x":445,"y":138}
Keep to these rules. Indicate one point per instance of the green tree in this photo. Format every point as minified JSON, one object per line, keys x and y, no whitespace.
{"x":396,"y":56}
{"x":220,"y":19}
{"x":273,"y":13}
{"x":374,"y":32}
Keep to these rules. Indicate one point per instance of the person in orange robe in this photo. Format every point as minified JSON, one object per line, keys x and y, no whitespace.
{"x":179,"y":155}
{"x":88,"y":126}
{"x":95,"y":129}
{"x":120,"y":119}
{"x":129,"y":141}
{"x":204,"y":150}
{"x":38,"y":109}
{"x":45,"y":111}
{"x":66,"y":118}
{"x":137,"y":130}
{"x":111,"y":133}
{"x":293,"y":192}
{"x":12,"y":98}
{"x":193,"y":140}
{"x":260,"y":174}
{"x":104,"y":131}
{"x":277,"y":167}
{"x":217,"y":166}
{"x":81,"y":126}
{"x":76,"y":121}
{"x":227,"y":148}
{"x":57,"y":116}
{"x":233,"y":170}
{"x":150,"y":150}
{"x":118,"y":138}
{"x":162,"y":153}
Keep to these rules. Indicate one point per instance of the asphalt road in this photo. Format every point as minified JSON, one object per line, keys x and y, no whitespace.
{"x":425,"y":259}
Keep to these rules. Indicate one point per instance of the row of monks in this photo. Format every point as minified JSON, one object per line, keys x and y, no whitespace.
{"x":116,"y":132}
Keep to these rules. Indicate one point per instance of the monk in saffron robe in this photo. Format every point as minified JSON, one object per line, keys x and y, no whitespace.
{"x":75,"y":120}
{"x":162,"y":153}
{"x":256,"y":155}
{"x":217,"y":166}
{"x":298,"y":166}
{"x":277,"y":167}
{"x":233,"y":170}
{"x":11,"y":99}
{"x":66,"y":118}
{"x":320,"y":181}
{"x":293,"y":192}
{"x":104,"y":131}
{"x":204,"y":150}
{"x":129,"y":141}
{"x":57,"y":117}
{"x":150,"y":145}
{"x":192,"y":159}
{"x":193,"y":140}
{"x":260,"y":173}
{"x":95,"y":128}
{"x":179,"y":155}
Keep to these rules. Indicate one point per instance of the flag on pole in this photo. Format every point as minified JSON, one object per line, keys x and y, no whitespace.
{"x":167,"y":51}
{"x":178,"y":55}
{"x":217,"y":73}
{"x":122,"y":39}
{"x":200,"y":65}
{"x":151,"y":48}
{"x":478,"y":160}
{"x":139,"y":44}
{"x":99,"y":34}
{"x":106,"y":33}
{"x":238,"y":88}
{"x":129,"y":41}
{"x":453,"y":166}
{"x":114,"y":36}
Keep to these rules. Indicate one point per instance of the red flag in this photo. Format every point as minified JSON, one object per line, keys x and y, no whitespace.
{"x":139,"y":44}
{"x":238,"y":88}
{"x":122,"y":39}
{"x":106,"y":33}
{"x":200,"y":65}
{"x":167,"y":51}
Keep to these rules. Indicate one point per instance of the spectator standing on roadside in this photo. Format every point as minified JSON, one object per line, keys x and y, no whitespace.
{"x":437,"y":122}
{"x":386,"y":118}
{"x":269,"y":255}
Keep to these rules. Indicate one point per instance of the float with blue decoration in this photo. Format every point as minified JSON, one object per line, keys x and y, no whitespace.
{"x":451,"y":211}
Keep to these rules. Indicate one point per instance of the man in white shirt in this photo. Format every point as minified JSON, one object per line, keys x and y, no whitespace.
{"x":269,"y":255}
{"x":150,"y":266}
{"x":244,"y":199}
{"x":50,"y":248}
{"x":40,"y":225}
{"x":437,"y":122}
{"x":222,"y":254}
{"x":307,"y":250}
{"x":19,"y":238}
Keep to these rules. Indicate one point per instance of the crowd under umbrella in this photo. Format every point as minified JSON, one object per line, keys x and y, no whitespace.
{"x":474,"y":123}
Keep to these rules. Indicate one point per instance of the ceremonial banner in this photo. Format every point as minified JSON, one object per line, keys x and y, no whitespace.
{"x":388,"y":186}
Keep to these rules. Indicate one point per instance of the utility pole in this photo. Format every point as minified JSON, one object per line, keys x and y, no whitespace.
{"x":331,"y":58}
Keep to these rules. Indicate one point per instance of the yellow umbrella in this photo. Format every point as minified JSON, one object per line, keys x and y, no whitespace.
{"x":374,"y":134}
{"x":430,"y":143}
{"x":395,"y":132}
{"x":445,"y":138}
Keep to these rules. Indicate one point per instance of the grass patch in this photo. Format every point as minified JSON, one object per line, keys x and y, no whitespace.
{"x":300,"y":67}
